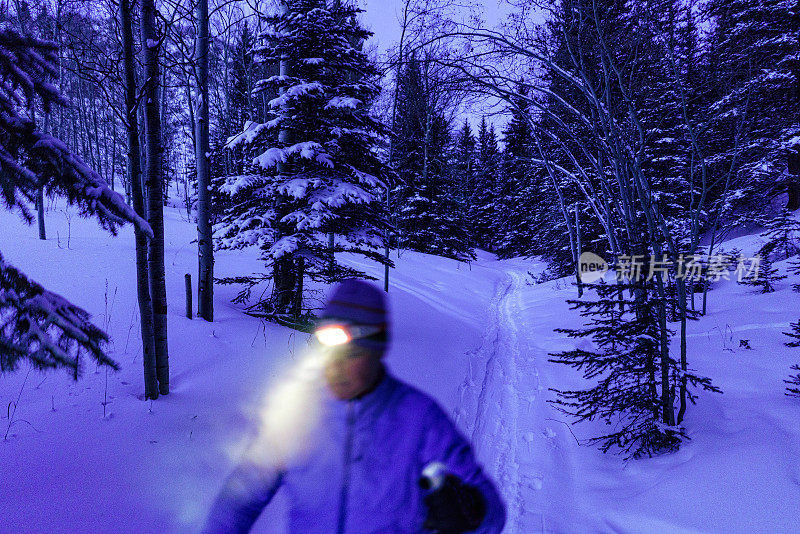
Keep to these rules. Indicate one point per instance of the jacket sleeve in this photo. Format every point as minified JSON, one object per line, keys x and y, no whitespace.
{"x":245,"y":493}
{"x":444,"y":443}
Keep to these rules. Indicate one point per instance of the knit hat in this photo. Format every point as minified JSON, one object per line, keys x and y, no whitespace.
{"x":358,"y":302}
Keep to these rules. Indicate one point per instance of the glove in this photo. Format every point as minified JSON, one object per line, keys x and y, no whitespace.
{"x":454,"y":508}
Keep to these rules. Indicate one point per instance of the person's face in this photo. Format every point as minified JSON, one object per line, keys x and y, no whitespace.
{"x":352,"y":370}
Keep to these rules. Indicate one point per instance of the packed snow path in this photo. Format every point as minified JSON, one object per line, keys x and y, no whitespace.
{"x":504,"y":408}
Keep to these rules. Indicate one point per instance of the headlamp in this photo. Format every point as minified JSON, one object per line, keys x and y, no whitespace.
{"x":332,"y":335}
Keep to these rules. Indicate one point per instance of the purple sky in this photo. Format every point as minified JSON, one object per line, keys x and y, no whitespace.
{"x":383,"y":16}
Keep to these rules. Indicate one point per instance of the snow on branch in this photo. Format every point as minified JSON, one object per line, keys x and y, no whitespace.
{"x":309,"y":150}
{"x":295,"y":91}
{"x":43,"y":327}
{"x":248,"y":135}
{"x":343,"y":102}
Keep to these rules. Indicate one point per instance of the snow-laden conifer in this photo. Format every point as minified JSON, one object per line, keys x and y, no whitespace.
{"x":314,"y":163}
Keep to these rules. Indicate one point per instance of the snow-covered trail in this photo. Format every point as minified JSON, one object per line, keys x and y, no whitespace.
{"x":511,"y":424}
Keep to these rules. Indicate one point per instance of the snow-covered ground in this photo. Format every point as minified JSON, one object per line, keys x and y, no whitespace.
{"x":476,"y":337}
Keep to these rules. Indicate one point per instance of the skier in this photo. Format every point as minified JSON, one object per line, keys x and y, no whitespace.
{"x":386,"y":458}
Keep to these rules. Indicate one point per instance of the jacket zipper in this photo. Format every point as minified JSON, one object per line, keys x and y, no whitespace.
{"x":348,"y":445}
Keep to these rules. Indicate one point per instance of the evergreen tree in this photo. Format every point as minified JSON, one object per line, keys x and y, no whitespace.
{"x":754,"y":73}
{"x":625,"y":334}
{"x":242,"y":105}
{"x":574,"y":31}
{"x":794,"y":381}
{"x":767,"y":275}
{"x":664,"y":78}
{"x":612,"y":130}
{"x":520,"y":198}
{"x":782,"y":234}
{"x":463,"y":177}
{"x":322,"y":174}
{"x":794,"y":334}
{"x":35,"y":324}
{"x":427,"y":197}
{"x":482,"y":214}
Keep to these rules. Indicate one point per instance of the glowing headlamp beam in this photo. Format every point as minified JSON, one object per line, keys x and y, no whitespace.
{"x":332,"y":336}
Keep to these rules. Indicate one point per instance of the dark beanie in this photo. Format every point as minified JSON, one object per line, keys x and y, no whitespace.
{"x":361,"y":303}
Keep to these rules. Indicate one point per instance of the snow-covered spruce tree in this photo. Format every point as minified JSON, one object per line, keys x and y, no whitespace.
{"x":36,"y":325}
{"x":521,"y":195}
{"x":482,"y":216}
{"x":570,"y":143}
{"x":767,"y":275}
{"x":625,"y":334}
{"x":463,"y":174}
{"x":782,"y":234}
{"x":426,"y":198}
{"x":315,"y":169}
{"x":753,"y":70}
{"x":597,"y":121}
{"x":667,"y":150}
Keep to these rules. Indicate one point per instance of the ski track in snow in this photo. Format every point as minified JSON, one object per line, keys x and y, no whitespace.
{"x":503,"y":408}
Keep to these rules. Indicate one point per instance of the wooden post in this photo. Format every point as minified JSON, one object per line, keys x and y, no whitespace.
{"x":188,"y":278}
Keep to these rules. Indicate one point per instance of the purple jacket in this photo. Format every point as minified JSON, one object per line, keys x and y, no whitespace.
{"x":363,"y":475}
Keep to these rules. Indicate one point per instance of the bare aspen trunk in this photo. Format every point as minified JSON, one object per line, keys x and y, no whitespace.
{"x":142,"y":153}
{"x":205,"y":250}
{"x":40,"y":212}
{"x":113,"y":152}
{"x":667,"y":409}
{"x":155,"y":194}
{"x":97,"y":142}
{"x":166,"y":176}
{"x":297,"y":305}
{"x":135,"y":181}
{"x":190,"y":109}
{"x":74,"y":122}
{"x":86,"y":142}
{"x":187,"y":279}
{"x":684,"y":364}
{"x":577,"y":253}
{"x":40,"y":192}
{"x":332,"y":257}
{"x":395,"y":97}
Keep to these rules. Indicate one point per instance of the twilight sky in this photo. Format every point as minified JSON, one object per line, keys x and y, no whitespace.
{"x":382,"y":17}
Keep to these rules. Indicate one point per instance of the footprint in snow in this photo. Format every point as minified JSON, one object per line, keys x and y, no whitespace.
{"x":548,"y":433}
{"x":534,"y":483}
{"x":529,"y":438}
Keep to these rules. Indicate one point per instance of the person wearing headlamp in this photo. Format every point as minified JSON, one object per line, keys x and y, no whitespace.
{"x":378,"y":434}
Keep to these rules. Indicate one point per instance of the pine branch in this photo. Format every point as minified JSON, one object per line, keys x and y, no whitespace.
{"x":43,"y":327}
